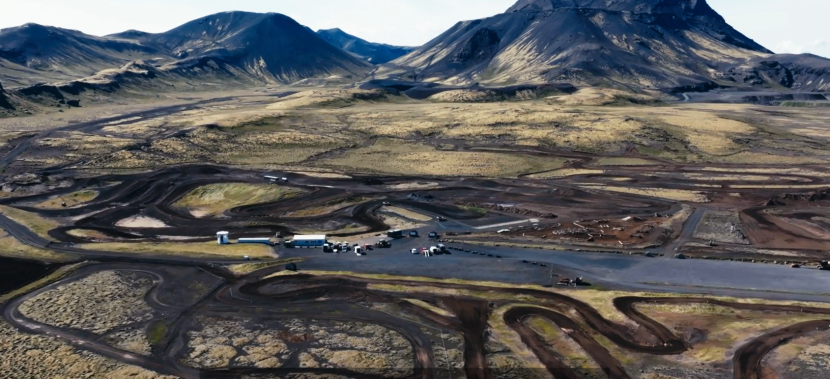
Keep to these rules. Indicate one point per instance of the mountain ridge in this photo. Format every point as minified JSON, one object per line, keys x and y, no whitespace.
{"x":544,"y":41}
{"x":375,"y":53}
{"x":270,"y":47}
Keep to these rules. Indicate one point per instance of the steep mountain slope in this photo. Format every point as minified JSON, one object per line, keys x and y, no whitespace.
{"x":376,"y":53}
{"x":270,"y":46}
{"x":800,"y":72}
{"x":4,"y":99}
{"x":31,"y":52}
{"x":241,"y":46}
{"x":634,"y":43}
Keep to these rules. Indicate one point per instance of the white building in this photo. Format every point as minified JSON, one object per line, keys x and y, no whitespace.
{"x":310,"y":240}
{"x":222,"y":238}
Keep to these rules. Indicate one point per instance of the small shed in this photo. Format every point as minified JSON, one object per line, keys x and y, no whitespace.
{"x":222,"y":238}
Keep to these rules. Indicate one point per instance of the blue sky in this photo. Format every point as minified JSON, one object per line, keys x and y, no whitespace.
{"x":793,"y":26}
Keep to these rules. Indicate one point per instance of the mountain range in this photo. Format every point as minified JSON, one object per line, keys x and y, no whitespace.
{"x":376,"y":53}
{"x":265,"y":48}
{"x":667,"y":45}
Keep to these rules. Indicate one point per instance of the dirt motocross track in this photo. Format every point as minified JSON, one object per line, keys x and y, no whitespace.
{"x":350,"y":299}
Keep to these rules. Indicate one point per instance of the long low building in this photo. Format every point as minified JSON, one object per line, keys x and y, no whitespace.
{"x":309,"y":240}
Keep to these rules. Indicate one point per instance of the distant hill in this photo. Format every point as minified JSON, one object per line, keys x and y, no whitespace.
{"x":800,"y":72}
{"x":31,"y":53}
{"x":5,"y":104}
{"x":376,"y":53}
{"x":266,"y":48}
{"x":628,"y":43}
{"x":270,"y":46}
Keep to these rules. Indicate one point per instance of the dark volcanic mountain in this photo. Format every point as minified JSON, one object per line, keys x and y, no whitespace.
{"x":271,"y":46}
{"x":634,"y":43}
{"x":376,"y":53}
{"x":32,"y":53}
{"x":4,"y":99}
{"x":232,"y":45}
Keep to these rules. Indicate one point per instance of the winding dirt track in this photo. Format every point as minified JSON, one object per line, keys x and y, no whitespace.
{"x":747,"y":359}
{"x":339,"y":298}
{"x":154,"y":194}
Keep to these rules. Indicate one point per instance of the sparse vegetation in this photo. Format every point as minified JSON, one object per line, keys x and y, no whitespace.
{"x":69,"y":200}
{"x":200,"y":249}
{"x":12,"y":247}
{"x":34,"y":222}
{"x":214,"y":199}
{"x":399,"y":157}
{"x":247,"y":268}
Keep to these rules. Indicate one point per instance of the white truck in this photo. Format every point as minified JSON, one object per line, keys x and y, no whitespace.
{"x":442,"y":248}
{"x":434,"y":250}
{"x":358,"y":250}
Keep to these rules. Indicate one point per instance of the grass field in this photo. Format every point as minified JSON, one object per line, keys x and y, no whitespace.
{"x":73,"y":199}
{"x":399,"y":157}
{"x":11,"y":247}
{"x":412,"y":215}
{"x":663,"y":193}
{"x":214,"y":199}
{"x":199,"y":249}
{"x":34,"y":222}
{"x":623,"y":161}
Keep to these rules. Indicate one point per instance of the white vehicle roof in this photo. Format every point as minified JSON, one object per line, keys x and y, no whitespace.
{"x":313,"y":237}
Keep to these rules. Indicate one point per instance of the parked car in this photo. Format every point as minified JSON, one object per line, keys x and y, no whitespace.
{"x":413,"y":233}
{"x":414,"y":251}
{"x":441,"y":218}
{"x":433,"y":235}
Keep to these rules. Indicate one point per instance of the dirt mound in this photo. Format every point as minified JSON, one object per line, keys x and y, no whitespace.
{"x":773,"y":203}
{"x":606,"y":96}
{"x":328,"y":97}
{"x":465,"y":96}
{"x":644,"y":44}
{"x":807,"y":196}
{"x":508,"y":209}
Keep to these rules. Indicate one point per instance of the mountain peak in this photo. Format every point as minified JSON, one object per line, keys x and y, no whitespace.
{"x":689,"y":7}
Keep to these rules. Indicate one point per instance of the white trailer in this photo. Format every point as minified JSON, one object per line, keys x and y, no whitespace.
{"x":266,"y":241}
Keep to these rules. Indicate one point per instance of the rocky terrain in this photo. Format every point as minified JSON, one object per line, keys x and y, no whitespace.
{"x":375,"y":53}
{"x":118,"y":300}
{"x":234,"y":342}
{"x":38,"y":356}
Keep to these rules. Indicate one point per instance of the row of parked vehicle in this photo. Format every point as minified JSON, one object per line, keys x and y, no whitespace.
{"x":535,"y":263}
{"x":430,"y":251}
{"x":475,"y":252}
{"x":343,"y":247}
